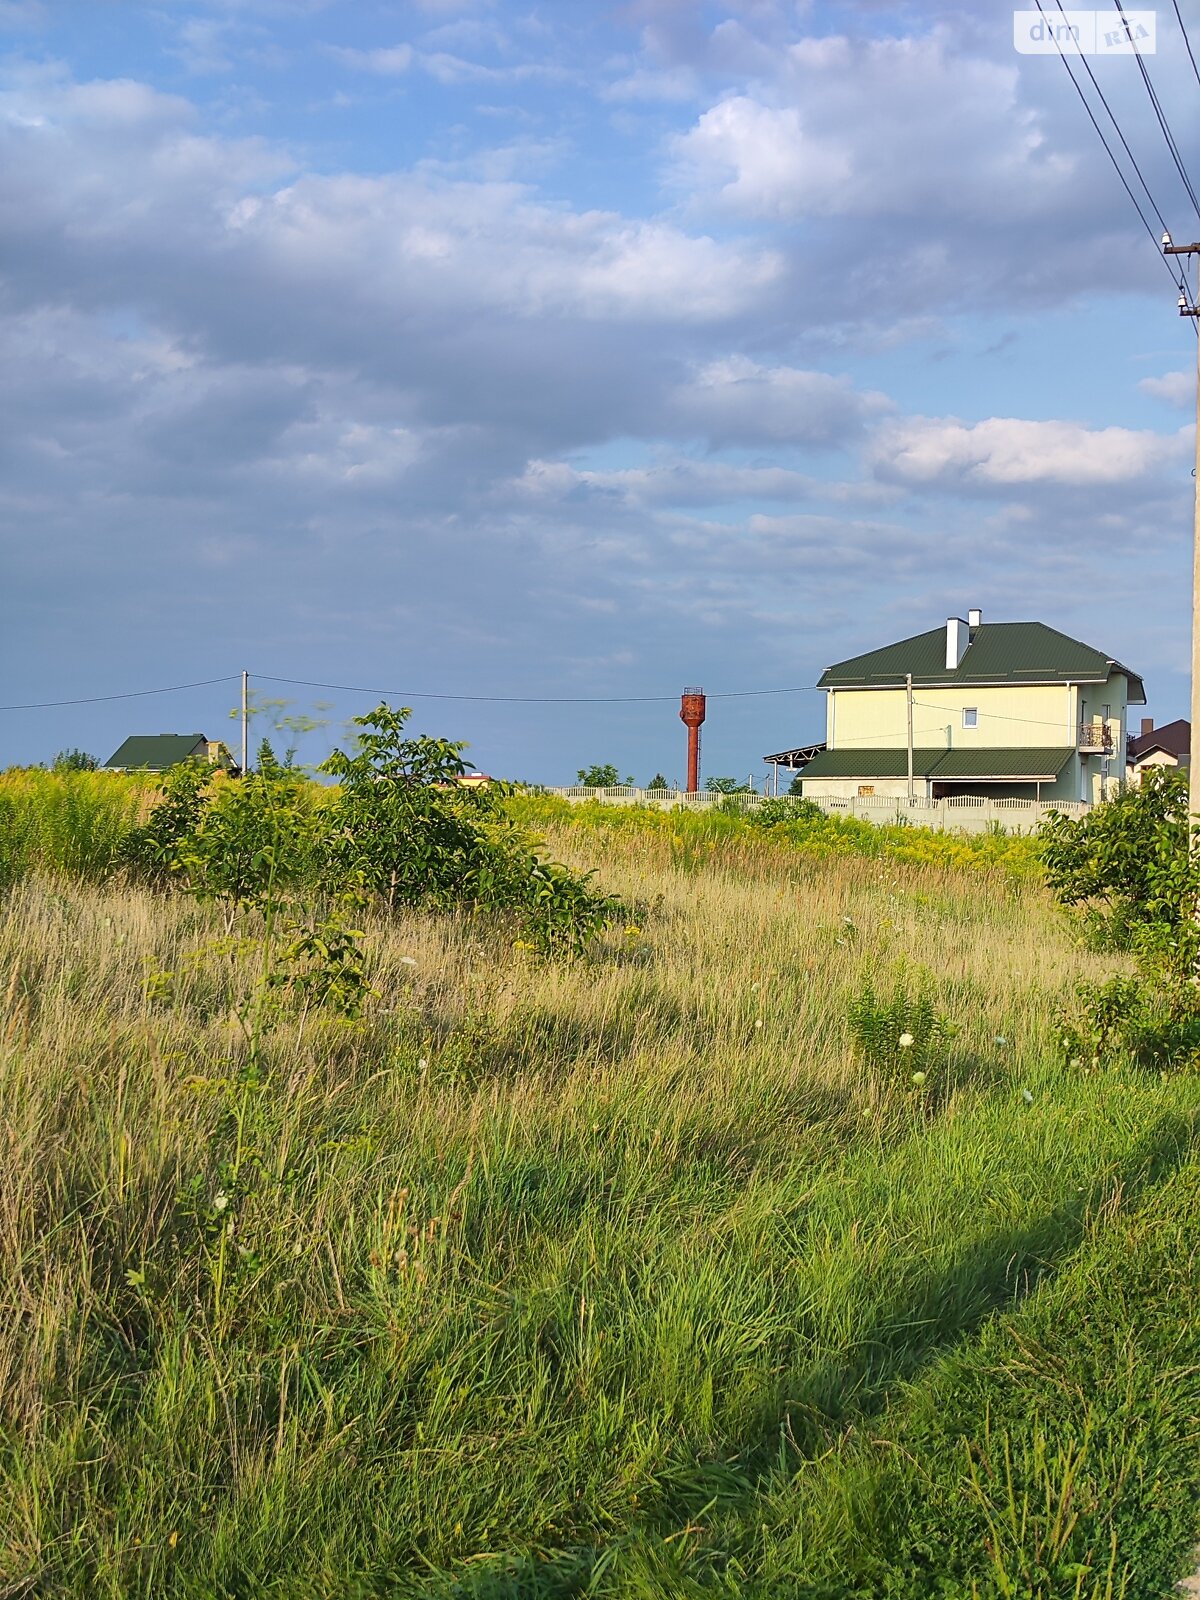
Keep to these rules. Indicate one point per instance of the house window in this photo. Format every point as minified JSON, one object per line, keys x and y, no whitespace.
{"x":970,"y":716}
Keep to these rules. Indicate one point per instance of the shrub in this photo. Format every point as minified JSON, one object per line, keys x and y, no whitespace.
{"x":404,"y":831}
{"x":1129,"y":863}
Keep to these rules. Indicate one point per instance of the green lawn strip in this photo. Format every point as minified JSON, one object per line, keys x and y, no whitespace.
{"x":646,"y":1370}
{"x":1057,"y":1454}
{"x":604,"y":1331}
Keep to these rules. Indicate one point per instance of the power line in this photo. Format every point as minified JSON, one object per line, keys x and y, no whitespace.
{"x":1172,"y":146}
{"x":1186,"y":40}
{"x":531,"y":700}
{"x":994,"y":716}
{"x":131,"y":694}
{"x":411,"y":694}
{"x":1162,"y":221}
{"x":1116,"y":165}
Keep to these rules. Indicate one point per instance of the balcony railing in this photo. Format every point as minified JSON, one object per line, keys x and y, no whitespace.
{"x":1096,"y":737}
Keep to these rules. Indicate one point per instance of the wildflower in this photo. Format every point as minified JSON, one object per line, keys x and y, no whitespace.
{"x":907,"y":1041}
{"x":759,"y":1023}
{"x":220,"y":1200}
{"x":423,"y":1064}
{"x":408,"y":961}
{"x":918,"y":1078}
{"x":849,"y":921}
{"x":1001,"y":1041}
{"x":1027,"y":1096}
{"x":754,"y":988}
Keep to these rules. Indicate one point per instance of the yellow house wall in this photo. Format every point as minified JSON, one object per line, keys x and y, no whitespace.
{"x":1025,"y":715}
{"x":1009,"y":715}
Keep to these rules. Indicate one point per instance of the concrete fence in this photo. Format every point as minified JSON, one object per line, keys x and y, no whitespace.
{"x":962,"y":813}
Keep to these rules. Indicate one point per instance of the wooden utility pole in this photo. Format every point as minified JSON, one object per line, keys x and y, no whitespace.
{"x":908,"y":690}
{"x":1189,"y":308}
{"x":245,"y":722}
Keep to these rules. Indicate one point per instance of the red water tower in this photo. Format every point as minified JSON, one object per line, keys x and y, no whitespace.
{"x":691,"y":713}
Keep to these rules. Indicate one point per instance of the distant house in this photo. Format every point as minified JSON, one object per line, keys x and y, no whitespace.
{"x":1000,"y":710}
{"x":156,"y":752}
{"x":1168,"y":746}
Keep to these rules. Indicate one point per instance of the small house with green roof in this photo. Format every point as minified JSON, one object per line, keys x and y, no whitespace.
{"x":996,"y":710}
{"x":156,"y":752}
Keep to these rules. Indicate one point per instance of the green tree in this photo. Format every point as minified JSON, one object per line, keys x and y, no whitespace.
{"x":74,"y":761}
{"x":797,"y":784}
{"x":727,"y":786}
{"x":658,"y":782}
{"x":604,"y":777}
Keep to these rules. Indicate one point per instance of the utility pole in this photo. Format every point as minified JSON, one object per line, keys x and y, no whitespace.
{"x":1191,"y":309}
{"x":245,"y":722}
{"x":908,"y":691}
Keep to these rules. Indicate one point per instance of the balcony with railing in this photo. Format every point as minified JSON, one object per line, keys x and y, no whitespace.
{"x":1096,"y":738}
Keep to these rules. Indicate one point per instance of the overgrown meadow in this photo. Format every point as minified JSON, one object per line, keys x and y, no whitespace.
{"x":765,"y":1239}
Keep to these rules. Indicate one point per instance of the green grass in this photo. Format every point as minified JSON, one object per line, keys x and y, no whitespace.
{"x":551,"y":1279}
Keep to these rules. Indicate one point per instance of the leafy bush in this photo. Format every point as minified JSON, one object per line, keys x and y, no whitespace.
{"x":1155,"y":1021}
{"x":1129,"y":863}
{"x":1129,"y":866}
{"x":785,"y":808}
{"x":404,"y":831}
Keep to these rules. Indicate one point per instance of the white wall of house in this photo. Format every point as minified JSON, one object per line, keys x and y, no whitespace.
{"x":1152,"y":758}
{"x":1066,"y":787}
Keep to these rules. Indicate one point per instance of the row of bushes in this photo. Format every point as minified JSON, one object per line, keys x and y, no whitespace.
{"x":394,"y":830}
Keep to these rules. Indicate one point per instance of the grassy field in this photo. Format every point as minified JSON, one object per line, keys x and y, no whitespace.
{"x":629,"y":1276}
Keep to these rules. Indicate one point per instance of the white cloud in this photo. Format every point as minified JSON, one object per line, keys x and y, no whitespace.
{"x":670,"y":84}
{"x":686,"y":482}
{"x":1005,"y":452}
{"x":945,"y":131}
{"x":1176,"y":388}
{"x":760,"y":161}
{"x":387,"y":61}
{"x":738,"y":399}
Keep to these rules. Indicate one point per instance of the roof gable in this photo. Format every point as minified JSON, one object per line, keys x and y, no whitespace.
{"x":155,"y":752}
{"x":1173,"y":738}
{"x":999,"y":652}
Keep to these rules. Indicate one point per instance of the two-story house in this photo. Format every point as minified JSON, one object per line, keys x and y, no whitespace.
{"x":997,"y":709}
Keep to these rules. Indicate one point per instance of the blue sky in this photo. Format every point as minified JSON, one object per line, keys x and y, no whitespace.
{"x":570,"y":350}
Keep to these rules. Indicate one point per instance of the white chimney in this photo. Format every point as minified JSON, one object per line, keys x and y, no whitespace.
{"x":974,"y":618}
{"x":957,"y":639}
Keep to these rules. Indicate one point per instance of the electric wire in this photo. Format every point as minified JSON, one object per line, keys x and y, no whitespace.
{"x":130,"y":694}
{"x":1116,"y":166}
{"x":1172,"y":146}
{"x":1186,"y":40}
{"x":532,"y":700}
{"x":1115,"y":163}
{"x":994,"y":716}
{"x":1154,"y":206}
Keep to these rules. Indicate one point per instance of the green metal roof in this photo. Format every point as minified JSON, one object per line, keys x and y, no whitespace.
{"x":999,"y":652}
{"x":947,"y":766}
{"x":155,"y":752}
